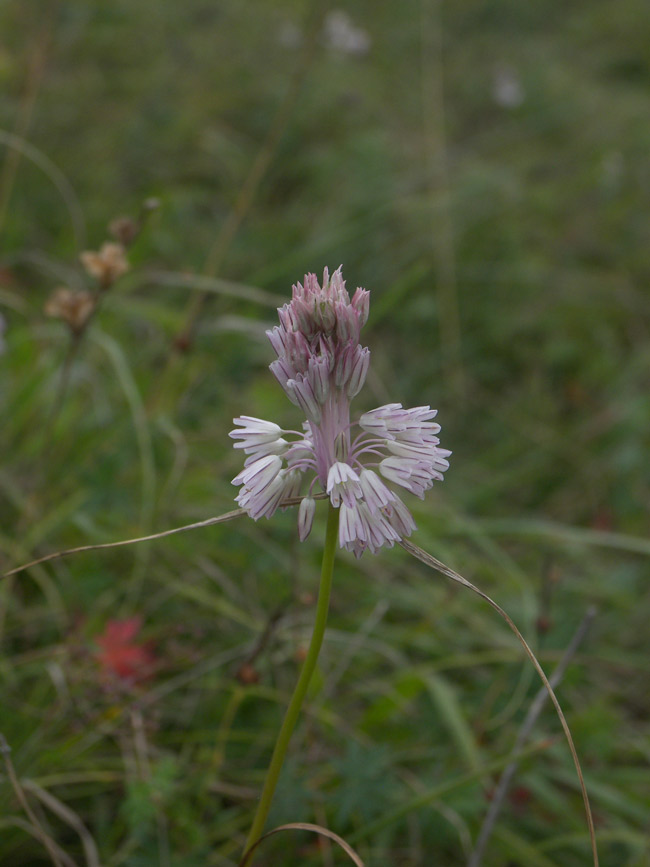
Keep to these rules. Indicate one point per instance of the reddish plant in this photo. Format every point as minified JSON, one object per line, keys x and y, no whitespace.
{"x":121,"y":656}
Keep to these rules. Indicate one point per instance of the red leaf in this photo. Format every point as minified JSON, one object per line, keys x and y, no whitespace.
{"x":120,"y":655}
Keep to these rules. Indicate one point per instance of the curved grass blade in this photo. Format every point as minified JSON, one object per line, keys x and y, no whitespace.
{"x":305,"y":826}
{"x":57,"y":177}
{"x":432,"y":563}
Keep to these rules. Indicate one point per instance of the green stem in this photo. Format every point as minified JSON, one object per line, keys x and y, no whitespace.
{"x":293,"y":710}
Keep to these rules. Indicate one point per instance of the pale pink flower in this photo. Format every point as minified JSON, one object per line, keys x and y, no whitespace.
{"x":321,"y":366}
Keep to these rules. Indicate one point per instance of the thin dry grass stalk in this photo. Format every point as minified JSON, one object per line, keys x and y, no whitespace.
{"x":58,"y":856}
{"x":209,"y":522}
{"x":304,"y":826}
{"x":72,"y":819}
{"x":430,"y":561}
{"x":522,"y":736}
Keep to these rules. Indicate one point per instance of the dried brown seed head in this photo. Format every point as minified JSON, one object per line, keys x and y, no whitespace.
{"x":107,"y":264}
{"x":74,"y":308}
{"x":124,"y":229}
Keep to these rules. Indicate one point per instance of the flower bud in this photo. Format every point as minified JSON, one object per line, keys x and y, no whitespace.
{"x":306,"y":517}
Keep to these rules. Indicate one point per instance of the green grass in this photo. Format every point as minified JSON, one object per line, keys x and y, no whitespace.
{"x":543,"y":398}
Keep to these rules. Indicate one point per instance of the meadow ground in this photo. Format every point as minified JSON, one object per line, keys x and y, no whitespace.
{"x":482,"y":168}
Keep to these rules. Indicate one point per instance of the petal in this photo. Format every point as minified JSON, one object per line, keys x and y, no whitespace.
{"x":260,"y":472}
{"x":375,"y":493}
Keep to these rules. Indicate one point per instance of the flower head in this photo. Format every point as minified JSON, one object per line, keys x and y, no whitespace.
{"x":106,"y":264}
{"x":124,"y":229}
{"x":74,"y":307}
{"x":321,"y":366}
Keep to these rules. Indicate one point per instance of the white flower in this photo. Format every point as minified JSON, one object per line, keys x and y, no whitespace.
{"x":416,"y":476}
{"x":342,"y":35}
{"x":375,"y":493}
{"x":255,"y":431}
{"x":343,"y":484}
{"x":306,"y":517}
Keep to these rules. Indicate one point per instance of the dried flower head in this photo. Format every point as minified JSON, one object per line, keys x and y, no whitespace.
{"x":321,"y":366}
{"x":107,"y":264}
{"x":124,"y":229}
{"x":247,"y":674}
{"x":73,"y":307}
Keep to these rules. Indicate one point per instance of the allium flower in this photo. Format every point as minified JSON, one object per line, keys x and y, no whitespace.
{"x":321,"y":366}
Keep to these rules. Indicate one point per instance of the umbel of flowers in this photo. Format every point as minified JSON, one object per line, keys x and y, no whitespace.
{"x":322,"y":366}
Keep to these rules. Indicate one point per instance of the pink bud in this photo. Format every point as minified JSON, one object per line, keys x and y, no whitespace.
{"x":306,"y":517}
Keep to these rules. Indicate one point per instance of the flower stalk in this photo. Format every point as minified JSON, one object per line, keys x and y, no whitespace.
{"x":309,"y":665}
{"x":322,"y":366}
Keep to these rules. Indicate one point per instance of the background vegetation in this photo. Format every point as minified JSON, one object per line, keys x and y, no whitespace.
{"x":482,"y":168}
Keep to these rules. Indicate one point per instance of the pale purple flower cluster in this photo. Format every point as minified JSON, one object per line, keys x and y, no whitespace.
{"x":321,"y":366}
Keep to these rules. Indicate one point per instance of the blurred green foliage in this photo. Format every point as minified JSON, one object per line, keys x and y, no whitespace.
{"x":489,"y":158}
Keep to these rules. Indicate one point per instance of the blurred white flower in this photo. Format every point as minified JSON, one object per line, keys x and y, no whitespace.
{"x":344,"y":36}
{"x":507,"y":89}
{"x":612,"y":171}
